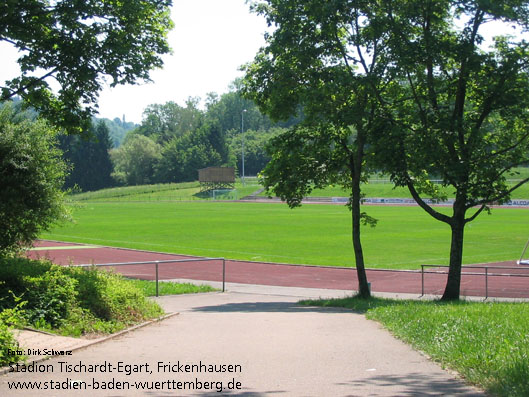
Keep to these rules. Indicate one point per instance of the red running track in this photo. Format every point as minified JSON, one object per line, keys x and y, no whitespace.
{"x":500,"y":283}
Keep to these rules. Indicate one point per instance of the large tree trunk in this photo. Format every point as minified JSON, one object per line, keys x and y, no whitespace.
{"x":356,"y":172}
{"x":453,"y":283}
{"x":363,"y":287}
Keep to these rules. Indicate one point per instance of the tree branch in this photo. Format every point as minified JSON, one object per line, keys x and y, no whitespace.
{"x":426,"y":207}
{"x":429,"y":66}
{"x":501,"y":196}
{"x":476,"y":214}
{"x":508,"y":148}
{"x":29,"y":85}
{"x":459,"y":106}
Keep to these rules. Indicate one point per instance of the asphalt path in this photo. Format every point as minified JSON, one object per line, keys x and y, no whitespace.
{"x":242,"y":344}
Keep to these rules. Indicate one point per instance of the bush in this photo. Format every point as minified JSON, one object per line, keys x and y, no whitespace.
{"x":72,"y":301}
{"x":51,"y":296}
{"x":109,"y":297}
{"x":10,"y":318}
{"x":31,"y":176}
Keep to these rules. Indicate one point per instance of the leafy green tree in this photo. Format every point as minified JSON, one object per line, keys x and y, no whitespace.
{"x":256,"y":156}
{"x":135,"y":161}
{"x":167,"y":121}
{"x":324,"y":58}
{"x":32,"y":173}
{"x":459,"y":108}
{"x":183,"y":156}
{"x":81,"y":46}
{"x":227,"y":111}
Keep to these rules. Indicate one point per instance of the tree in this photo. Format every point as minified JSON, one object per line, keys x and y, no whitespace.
{"x":89,"y":157}
{"x":459,"y":109}
{"x":81,"y":46}
{"x":322,"y":56}
{"x":32,"y":174}
{"x":135,"y":160}
{"x":227,"y":111}
{"x":256,"y":156}
{"x":162,"y":122}
{"x":183,"y":156}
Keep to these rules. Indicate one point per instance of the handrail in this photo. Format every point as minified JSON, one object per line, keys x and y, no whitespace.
{"x":156,"y":263}
{"x":486,"y":274}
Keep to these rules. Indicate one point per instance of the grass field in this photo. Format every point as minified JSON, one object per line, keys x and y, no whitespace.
{"x":313,"y":234}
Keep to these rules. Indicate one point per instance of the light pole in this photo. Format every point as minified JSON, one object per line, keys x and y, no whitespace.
{"x":242,"y":138}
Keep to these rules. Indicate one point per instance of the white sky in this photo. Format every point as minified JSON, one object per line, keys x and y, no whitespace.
{"x":210,"y":41}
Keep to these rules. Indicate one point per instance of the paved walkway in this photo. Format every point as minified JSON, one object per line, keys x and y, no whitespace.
{"x":271,"y":345}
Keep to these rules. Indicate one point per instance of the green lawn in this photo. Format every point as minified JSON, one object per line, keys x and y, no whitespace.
{"x":380,"y":189}
{"x":313,"y":234}
{"x":487,"y":343}
{"x":169,"y":288}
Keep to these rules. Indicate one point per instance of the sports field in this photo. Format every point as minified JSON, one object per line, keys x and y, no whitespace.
{"x":404,"y":238}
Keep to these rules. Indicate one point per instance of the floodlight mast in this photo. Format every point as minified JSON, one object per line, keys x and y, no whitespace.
{"x":242,"y":137}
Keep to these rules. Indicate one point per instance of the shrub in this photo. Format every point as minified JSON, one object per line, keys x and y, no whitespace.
{"x":31,"y":175}
{"x":10,"y":318}
{"x":72,"y":301}
{"x":51,"y":297}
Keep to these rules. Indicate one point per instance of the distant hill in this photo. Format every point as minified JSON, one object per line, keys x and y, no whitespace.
{"x":117,"y":128}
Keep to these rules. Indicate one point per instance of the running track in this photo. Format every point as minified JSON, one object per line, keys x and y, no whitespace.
{"x":501,"y":283}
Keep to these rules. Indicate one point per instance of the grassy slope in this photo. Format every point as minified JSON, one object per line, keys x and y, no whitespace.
{"x":404,"y":238}
{"x":187,"y":191}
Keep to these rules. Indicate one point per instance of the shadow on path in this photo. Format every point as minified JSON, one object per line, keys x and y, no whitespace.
{"x":416,"y":384}
{"x":269,"y":307}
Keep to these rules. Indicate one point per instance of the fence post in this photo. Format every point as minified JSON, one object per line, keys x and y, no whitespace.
{"x":422,"y":280}
{"x":223,"y":274}
{"x":486,"y":282}
{"x":156,"y":265}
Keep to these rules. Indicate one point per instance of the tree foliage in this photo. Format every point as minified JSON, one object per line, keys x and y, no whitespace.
{"x":191,"y":138}
{"x":323,"y":59}
{"x":183,"y":156}
{"x":135,"y":160}
{"x":89,"y":158}
{"x":32,"y":174}
{"x":418,"y":85}
{"x":458,"y":109}
{"x":80,"y":45}
{"x":163,"y":122}
{"x":256,"y":156}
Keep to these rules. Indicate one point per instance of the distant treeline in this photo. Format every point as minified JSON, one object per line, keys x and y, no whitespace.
{"x":171,"y":143}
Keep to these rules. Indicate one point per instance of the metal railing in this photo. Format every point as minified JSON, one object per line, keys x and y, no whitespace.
{"x":486,"y":274}
{"x":156,"y":266}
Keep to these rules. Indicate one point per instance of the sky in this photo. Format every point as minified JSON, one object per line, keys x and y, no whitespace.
{"x":210,"y":41}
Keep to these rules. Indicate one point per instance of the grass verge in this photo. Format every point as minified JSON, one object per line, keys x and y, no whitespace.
{"x":487,"y":343}
{"x":169,"y":288}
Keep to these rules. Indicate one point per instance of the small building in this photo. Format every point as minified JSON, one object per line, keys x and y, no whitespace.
{"x":213,"y":178}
